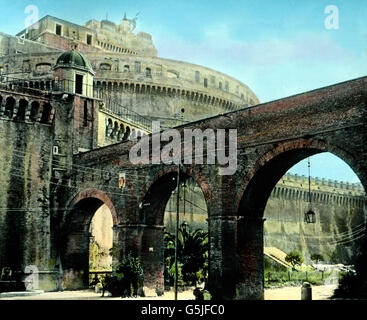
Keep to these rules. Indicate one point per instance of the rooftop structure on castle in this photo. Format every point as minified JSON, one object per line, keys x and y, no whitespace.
{"x":102,"y":35}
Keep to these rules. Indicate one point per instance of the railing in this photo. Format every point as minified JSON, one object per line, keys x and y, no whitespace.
{"x":114,"y":107}
{"x":70,"y":86}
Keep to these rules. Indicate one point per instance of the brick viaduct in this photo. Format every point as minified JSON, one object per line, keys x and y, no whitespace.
{"x":272,"y":137}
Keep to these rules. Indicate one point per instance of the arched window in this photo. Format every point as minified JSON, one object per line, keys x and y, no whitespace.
{"x":34,"y":111}
{"x":148,"y":72}
{"x":46,"y":113}
{"x":197,"y":76}
{"x":127,"y":133}
{"x":121,"y":132}
{"x":9,"y":107}
{"x":104,"y":66}
{"x":114,"y":130}
{"x":205,"y":82}
{"x":108,"y":127}
{"x":22,"y":109}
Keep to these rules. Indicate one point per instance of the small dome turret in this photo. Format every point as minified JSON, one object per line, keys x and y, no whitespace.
{"x":74,"y":59}
{"x":74,"y":73}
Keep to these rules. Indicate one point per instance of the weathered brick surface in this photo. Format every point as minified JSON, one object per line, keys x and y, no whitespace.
{"x":271,"y":138}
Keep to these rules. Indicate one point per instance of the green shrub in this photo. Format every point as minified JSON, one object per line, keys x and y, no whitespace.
{"x":126,"y":279}
{"x":295,"y":258}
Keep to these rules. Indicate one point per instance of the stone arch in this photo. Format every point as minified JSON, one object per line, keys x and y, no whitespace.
{"x":171,"y":171}
{"x":109,"y":125}
{"x":46,"y":113}
{"x":114,"y":130}
{"x":127,"y":133}
{"x":9,"y":107}
{"x":74,"y":250}
{"x":98,"y":194}
{"x":295,"y":150}
{"x":121,"y":132}
{"x":251,"y":200}
{"x":22,"y":108}
{"x":33,"y":116}
{"x":152,"y":201}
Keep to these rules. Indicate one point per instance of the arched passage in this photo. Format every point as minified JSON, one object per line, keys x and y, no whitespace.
{"x":252,"y":198}
{"x":153,"y":210}
{"x":75,"y":238}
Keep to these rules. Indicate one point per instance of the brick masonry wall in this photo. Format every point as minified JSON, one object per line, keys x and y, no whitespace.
{"x":271,"y":138}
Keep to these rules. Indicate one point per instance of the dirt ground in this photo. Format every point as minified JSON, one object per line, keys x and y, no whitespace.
{"x":294,"y":293}
{"x":286,"y":293}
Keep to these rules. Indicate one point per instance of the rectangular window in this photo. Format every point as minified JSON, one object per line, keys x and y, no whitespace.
{"x":137,"y":66}
{"x":78,"y":84}
{"x":220,"y":85}
{"x":227,"y":86}
{"x":148,"y":72}
{"x":197,"y":76}
{"x":58,"y":29}
{"x":85,"y":116}
{"x":205,"y":82}
{"x":89,"y":39}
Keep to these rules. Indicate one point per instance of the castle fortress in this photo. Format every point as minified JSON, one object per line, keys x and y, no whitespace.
{"x":127,"y":70}
{"x":59,"y":105}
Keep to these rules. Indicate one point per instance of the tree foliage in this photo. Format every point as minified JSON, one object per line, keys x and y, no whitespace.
{"x":317,"y":257}
{"x":192,"y":255}
{"x":294,"y":258}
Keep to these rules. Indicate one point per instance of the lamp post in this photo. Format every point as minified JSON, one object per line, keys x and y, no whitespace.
{"x":310,"y":216}
{"x":177,"y":226}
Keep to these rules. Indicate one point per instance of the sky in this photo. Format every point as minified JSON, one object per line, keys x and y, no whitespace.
{"x":277,"y":48}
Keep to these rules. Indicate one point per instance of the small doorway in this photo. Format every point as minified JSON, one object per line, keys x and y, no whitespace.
{"x":78,"y":84}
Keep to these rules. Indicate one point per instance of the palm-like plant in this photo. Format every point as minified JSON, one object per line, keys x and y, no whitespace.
{"x":192,"y":253}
